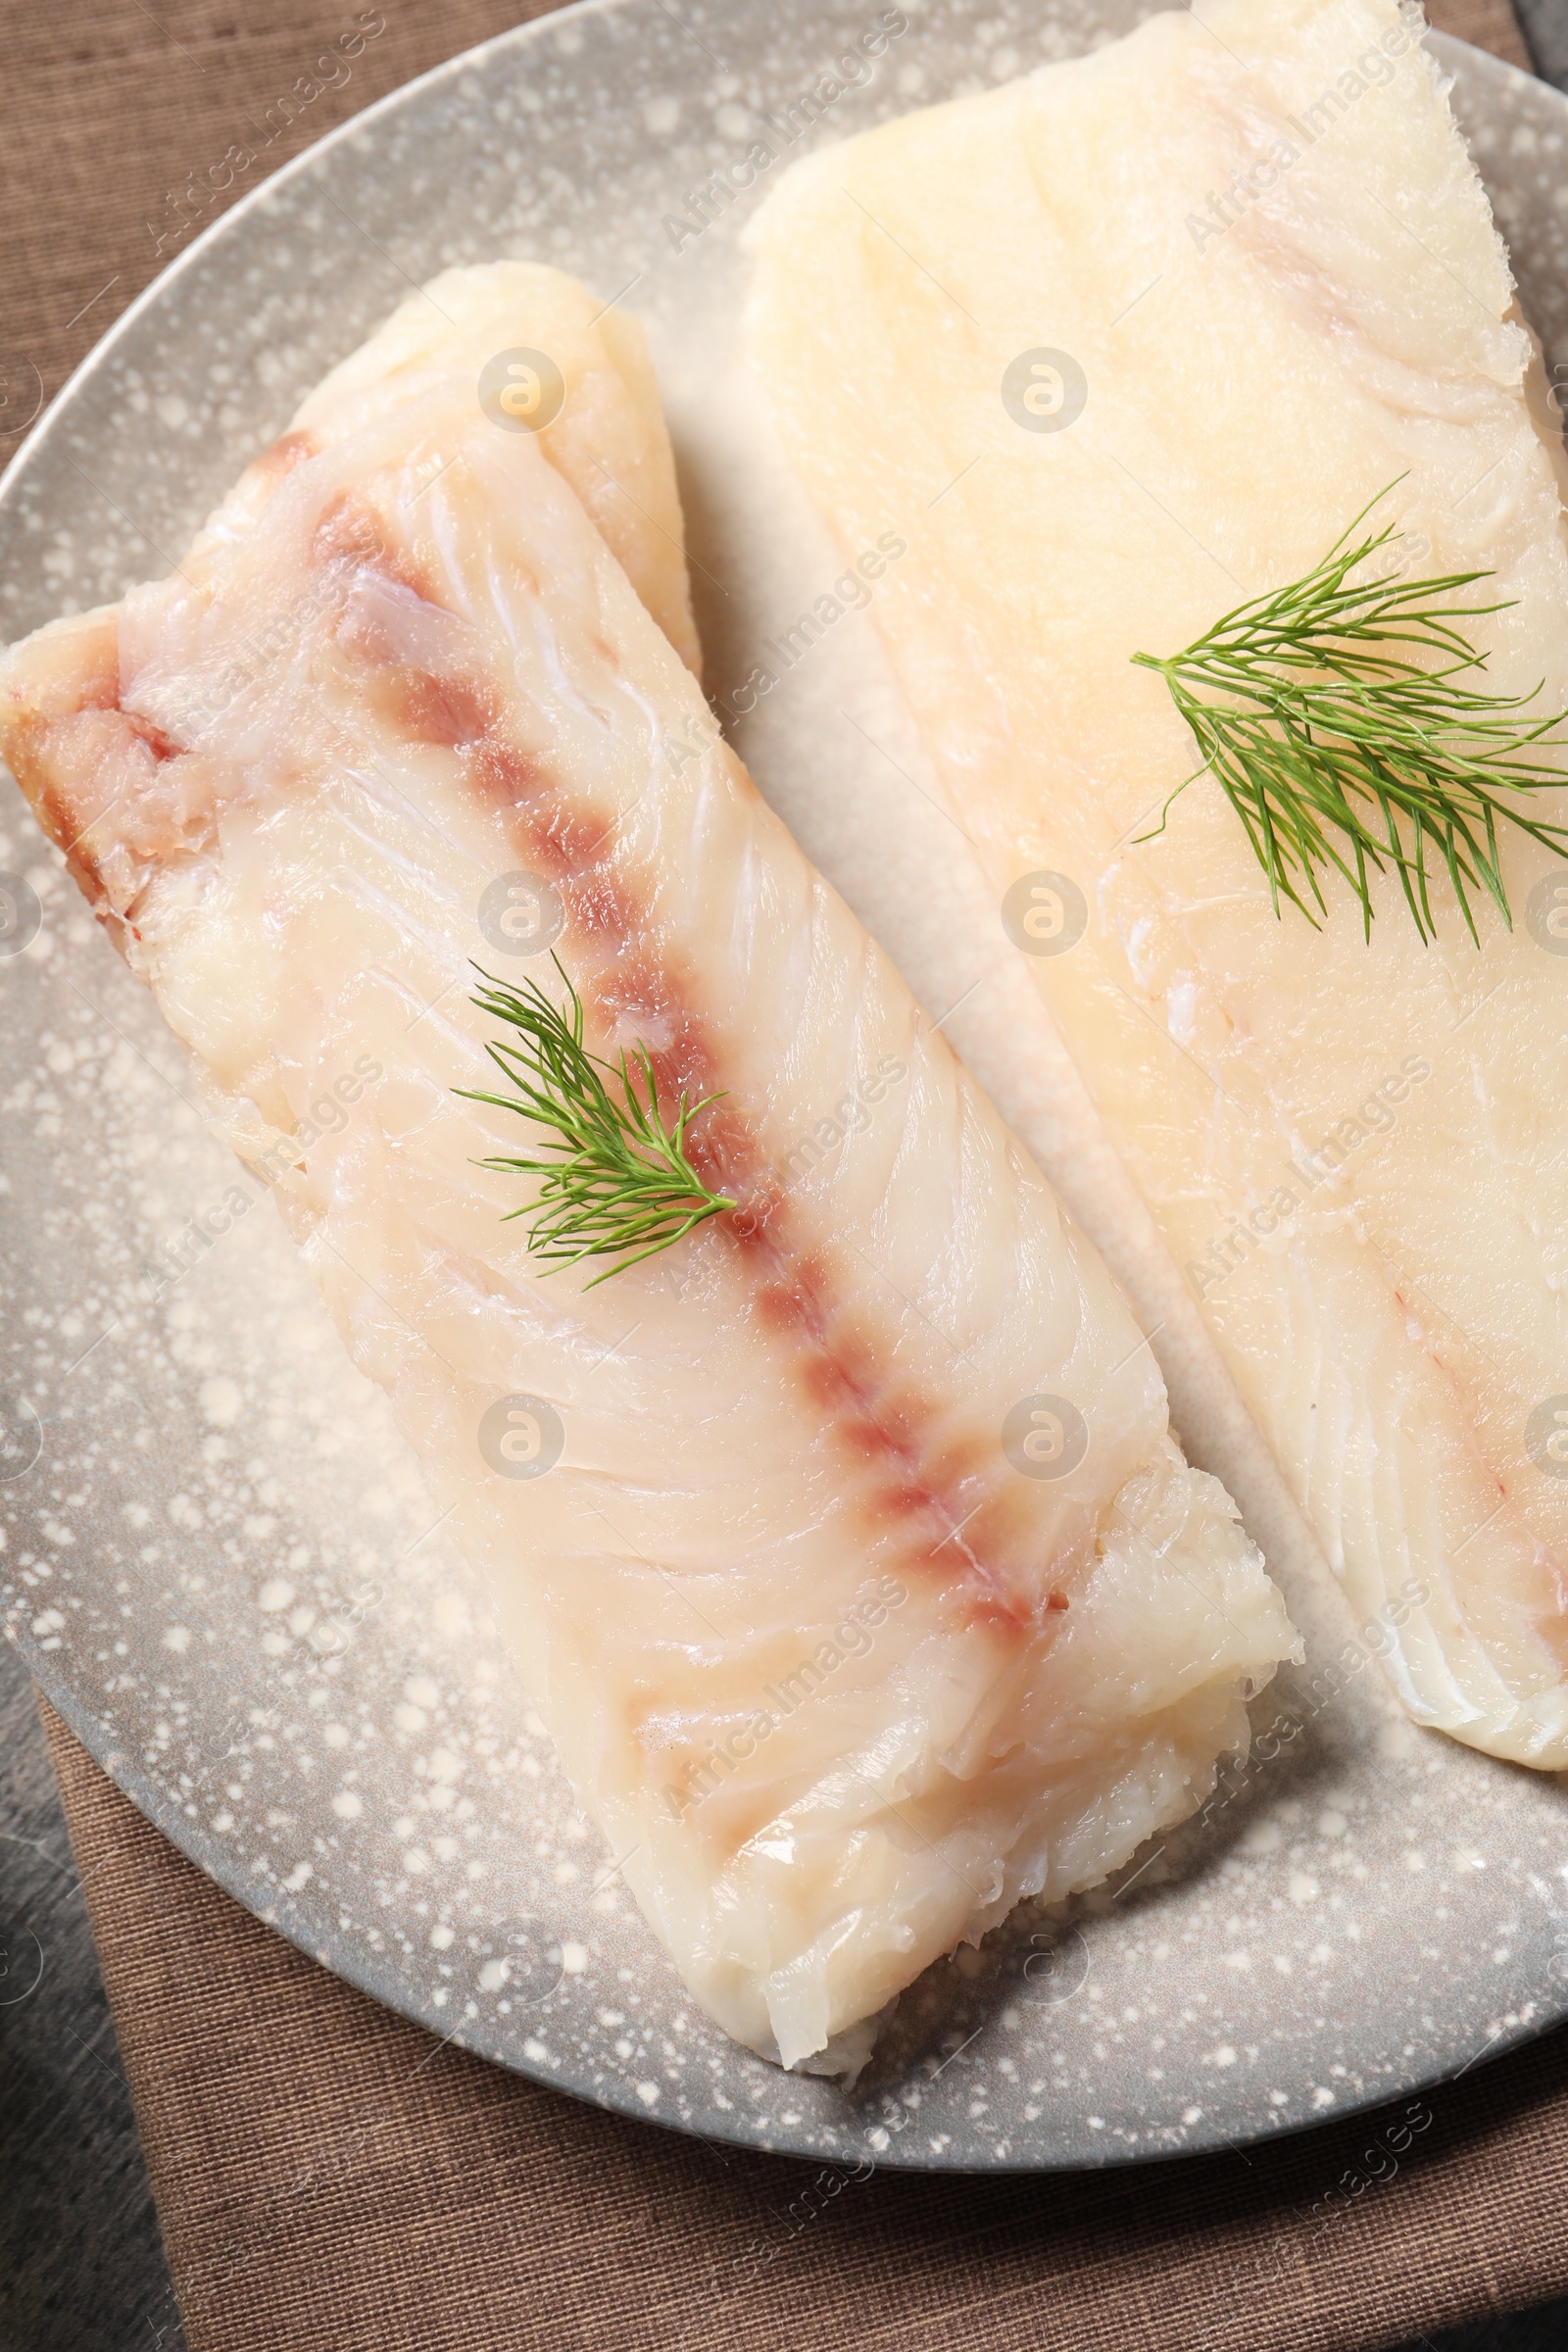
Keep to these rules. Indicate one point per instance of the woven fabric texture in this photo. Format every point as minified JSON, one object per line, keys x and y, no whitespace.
{"x":107,"y":124}
{"x":330,"y":2176}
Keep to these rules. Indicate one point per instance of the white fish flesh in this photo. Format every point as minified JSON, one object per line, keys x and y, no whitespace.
{"x":1118,"y":347}
{"x":838,"y":1681}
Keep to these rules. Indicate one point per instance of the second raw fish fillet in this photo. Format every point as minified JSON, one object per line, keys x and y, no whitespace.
{"x":1118,"y":348}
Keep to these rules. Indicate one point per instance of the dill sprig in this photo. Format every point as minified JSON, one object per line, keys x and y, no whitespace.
{"x":617,"y":1182}
{"x":1334,"y":751}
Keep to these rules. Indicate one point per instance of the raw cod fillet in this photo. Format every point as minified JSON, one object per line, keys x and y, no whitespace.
{"x":838,"y":1683}
{"x":1261,"y":244}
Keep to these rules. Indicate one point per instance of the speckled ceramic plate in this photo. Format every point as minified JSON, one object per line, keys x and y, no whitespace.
{"x":218,"y":1558}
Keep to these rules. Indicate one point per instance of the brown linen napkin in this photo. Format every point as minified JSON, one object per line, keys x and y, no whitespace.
{"x":330,"y":2176}
{"x":1488,"y":24}
{"x":103,"y":131}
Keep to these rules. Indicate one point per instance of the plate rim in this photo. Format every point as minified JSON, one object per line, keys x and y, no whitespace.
{"x":164,"y":1817}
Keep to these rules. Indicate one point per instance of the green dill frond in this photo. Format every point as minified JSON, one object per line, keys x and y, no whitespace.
{"x":617,"y":1181}
{"x":1336,"y":748}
